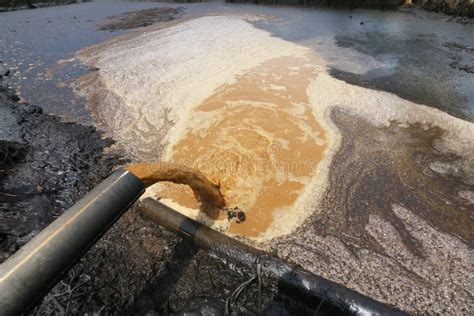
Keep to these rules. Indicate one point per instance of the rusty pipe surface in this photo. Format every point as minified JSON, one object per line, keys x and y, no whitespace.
{"x":39,"y":265}
{"x":303,"y":282}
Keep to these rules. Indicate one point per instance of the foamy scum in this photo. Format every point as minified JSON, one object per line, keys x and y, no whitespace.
{"x":191,"y":89}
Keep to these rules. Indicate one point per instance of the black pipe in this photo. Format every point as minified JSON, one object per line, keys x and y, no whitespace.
{"x":39,"y":265}
{"x":290,"y":276}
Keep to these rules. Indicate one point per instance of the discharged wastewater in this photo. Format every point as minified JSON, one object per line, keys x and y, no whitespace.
{"x":258,"y":139}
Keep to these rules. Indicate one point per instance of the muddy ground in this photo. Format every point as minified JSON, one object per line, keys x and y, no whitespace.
{"x":45,"y":166}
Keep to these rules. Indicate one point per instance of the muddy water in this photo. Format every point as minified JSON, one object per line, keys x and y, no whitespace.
{"x":257,"y":139}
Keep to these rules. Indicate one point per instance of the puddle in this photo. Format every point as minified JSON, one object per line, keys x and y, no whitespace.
{"x":257,"y":139}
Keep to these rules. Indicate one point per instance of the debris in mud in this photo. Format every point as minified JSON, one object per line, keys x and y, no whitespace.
{"x":467,"y":195}
{"x":457,"y":8}
{"x":458,"y":62}
{"x":236,"y":213}
{"x":136,"y":19}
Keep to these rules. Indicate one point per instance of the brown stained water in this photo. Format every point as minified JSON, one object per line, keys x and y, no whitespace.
{"x":258,"y":139}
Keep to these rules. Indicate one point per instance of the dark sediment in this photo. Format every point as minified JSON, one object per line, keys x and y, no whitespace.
{"x":395,"y":170}
{"x":456,"y":8}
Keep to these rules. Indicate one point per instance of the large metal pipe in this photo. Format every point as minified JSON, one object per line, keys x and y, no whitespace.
{"x":36,"y":267}
{"x":290,"y":276}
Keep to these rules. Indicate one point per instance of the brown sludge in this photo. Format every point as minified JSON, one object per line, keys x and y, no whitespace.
{"x":204,"y":190}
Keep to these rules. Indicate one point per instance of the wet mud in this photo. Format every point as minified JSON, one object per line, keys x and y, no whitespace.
{"x":151,"y":271}
{"x":385,"y":189}
{"x":203,"y":285}
{"x":396,"y":169}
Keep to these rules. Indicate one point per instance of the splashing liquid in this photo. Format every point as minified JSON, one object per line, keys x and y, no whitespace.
{"x":258,"y":139}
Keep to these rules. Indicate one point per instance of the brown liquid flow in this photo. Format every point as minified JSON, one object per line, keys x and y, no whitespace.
{"x":204,"y":191}
{"x":258,"y":139}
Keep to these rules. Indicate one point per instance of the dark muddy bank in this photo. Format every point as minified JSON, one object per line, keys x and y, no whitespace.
{"x":45,"y":166}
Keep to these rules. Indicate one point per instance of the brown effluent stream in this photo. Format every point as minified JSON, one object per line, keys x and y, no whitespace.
{"x":257,"y":139}
{"x":205,"y":192}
